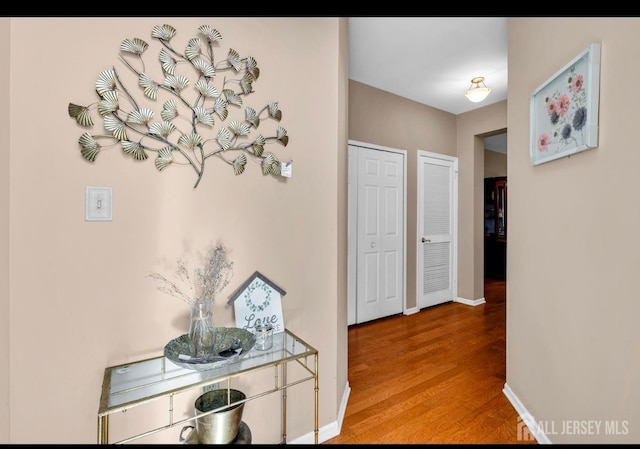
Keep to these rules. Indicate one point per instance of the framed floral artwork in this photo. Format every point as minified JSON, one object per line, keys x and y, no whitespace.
{"x":564,"y":109}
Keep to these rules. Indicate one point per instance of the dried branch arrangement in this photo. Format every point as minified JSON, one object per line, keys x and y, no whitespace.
{"x":195,"y":106}
{"x":205,"y":283}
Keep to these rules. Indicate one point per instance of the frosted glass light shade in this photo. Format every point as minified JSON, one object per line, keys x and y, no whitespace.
{"x":476,"y":92}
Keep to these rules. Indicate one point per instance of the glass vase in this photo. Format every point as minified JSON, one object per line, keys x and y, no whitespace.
{"x":202,"y":332}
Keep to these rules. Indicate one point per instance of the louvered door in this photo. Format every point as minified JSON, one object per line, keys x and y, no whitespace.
{"x":437,"y":228}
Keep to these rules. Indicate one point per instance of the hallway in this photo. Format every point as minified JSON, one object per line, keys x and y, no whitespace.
{"x":432,"y":377}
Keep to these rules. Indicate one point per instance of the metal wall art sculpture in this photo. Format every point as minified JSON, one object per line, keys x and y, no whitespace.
{"x":139,"y":130}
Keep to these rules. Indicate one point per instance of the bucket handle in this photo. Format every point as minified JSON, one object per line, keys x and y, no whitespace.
{"x":184,"y":439}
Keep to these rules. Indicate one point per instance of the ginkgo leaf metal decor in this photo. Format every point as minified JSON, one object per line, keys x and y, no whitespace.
{"x":188,"y":125}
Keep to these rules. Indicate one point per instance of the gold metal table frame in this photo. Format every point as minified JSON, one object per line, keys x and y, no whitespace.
{"x":140,"y":382}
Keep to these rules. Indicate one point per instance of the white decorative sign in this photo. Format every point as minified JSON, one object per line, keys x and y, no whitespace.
{"x":258,"y":301}
{"x":286,"y":169}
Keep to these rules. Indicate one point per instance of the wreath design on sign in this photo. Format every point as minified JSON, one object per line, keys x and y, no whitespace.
{"x":248,"y":300}
{"x":184,"y":131}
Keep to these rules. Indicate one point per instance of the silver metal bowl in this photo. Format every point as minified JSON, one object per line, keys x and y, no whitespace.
{"x":240,"y":341}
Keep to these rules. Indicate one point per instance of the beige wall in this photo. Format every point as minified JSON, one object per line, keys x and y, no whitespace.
{"x":495,"y":164}
{"x":5,"y":291}
{"x":471,"y":128}
{"x":341,"y":337}
{"x":80,"y":298}
{"x":382,"y":118}
{"x":573,"y":340}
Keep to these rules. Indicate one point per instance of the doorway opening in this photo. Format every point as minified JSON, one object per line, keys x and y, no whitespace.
{"x":495,"y":207}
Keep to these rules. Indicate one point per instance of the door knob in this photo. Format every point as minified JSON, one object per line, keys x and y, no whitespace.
{"x":425,"y":240}
{"x":373,"y":244}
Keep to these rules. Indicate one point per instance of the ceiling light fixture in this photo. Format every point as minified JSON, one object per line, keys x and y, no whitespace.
{"x":476,"y":93}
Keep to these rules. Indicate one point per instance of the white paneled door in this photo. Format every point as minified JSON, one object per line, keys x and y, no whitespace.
{"x":437,"y":228}
{"x":380,"y":232}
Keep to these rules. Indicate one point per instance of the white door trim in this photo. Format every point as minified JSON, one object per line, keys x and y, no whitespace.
{"x":419,"y":208}
{"x":352,"y":232}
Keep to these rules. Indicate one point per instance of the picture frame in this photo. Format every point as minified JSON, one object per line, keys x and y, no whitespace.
{"x":564,"y":109}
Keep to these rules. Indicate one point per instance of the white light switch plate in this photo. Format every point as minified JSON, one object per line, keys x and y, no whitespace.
{"x":98,"y":204}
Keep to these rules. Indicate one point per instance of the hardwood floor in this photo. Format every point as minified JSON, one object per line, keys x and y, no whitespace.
{"x":432,"y":377}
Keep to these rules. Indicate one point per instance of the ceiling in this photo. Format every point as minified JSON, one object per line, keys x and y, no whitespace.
{"x":496,"y":143}
{"x":431,"y":60}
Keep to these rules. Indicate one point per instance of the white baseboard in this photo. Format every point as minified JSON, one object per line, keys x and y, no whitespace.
{"x":330,"y":430}
{"x":470,"y":302}
{"x":343,"y":407}
{"x":333,"y":429}
{"x":411,"y":311}
{"x":526,"y":417}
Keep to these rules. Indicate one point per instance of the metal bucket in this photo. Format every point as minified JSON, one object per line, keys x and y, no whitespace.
{"x":219,"y":427}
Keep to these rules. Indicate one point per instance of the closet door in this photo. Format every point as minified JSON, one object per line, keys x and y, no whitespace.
{"x":379,"y":214}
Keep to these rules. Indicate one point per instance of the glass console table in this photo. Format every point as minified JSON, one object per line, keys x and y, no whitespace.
{"x":137,"y":383}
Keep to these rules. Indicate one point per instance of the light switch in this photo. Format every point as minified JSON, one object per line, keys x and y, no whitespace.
{"x":98,"y":204}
